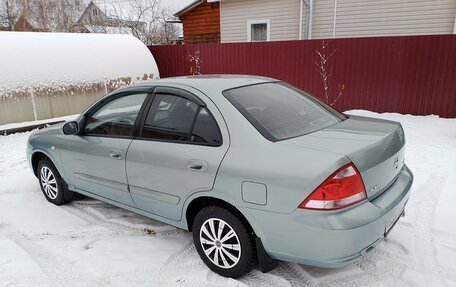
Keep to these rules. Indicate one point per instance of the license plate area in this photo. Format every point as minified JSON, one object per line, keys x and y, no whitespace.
{"x":391,"y":223}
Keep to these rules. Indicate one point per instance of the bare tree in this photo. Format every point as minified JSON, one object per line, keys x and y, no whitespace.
{"x":168,"y":31}
{"x":146,"y":20}
{"x":133,"y":17}
{"x":4,"y":19}
{"x":44,"y":15}
{"x":195,"y":63}
{"x":324,"y":67}
{"x":6,"y":14}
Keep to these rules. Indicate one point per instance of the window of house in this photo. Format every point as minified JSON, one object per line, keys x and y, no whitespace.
{"x":258,"y":30}
{"x":94,"y":12}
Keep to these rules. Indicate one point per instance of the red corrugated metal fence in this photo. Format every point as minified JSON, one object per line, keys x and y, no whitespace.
{"x":415,"y":74}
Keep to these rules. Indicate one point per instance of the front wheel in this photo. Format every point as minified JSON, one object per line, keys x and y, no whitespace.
{"x":224,"y":241}
{"x":52,"y":185}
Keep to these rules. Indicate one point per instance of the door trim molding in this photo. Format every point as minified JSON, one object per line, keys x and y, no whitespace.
{"x":102,"y":181}
{"x":156,"y":195}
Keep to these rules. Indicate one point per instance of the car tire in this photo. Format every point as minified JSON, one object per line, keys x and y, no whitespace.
{"x":229,"y":252}
{"x":52,"y":185}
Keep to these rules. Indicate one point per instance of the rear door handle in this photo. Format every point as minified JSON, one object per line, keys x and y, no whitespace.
{"x":115,"y":154}
{"x":197,"y":165}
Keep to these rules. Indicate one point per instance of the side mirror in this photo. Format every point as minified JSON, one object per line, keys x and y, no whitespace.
{"x":70,"y":128}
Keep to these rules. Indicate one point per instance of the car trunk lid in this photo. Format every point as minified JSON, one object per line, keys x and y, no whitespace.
{"x":376,"y":148}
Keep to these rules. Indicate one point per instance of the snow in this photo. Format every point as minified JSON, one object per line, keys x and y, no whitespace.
{"x":90,"y":243}
{"x":109,"y":29}
{"x":40,"y":122}
{"x":55,"y":60}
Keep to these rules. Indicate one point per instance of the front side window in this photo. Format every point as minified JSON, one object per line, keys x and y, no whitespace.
{"x":116,"y":118}
{"x":280,"y":112}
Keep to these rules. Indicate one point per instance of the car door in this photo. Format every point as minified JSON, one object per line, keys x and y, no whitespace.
{"x":177,"y":152}
{"x":94,"y":160}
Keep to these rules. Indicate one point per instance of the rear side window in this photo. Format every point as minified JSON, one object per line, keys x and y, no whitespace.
{"x":280,"y":112}
{"x":205,"y":129}
{"x":170,"y":118}
{"x":177,"y":119}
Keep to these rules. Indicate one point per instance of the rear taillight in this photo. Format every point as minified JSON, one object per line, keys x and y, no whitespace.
{"x":343,"y":188}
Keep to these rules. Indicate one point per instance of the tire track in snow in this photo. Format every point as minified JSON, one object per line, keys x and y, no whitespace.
{"x":92,"y":203}
{"x":185,"y":260}
{"x":424,"y":241}
{"x":421,"y":193}
{"x":59,"y":269}
{"x":181,"y":254}
{"x":256,"y":278}
{"x":191,"y":269}
{"x":446,"y":239}
{"x":295,"y":274}
{"x":62,"y":271}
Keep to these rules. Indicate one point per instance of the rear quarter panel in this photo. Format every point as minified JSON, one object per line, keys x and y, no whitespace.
{"x":289,"y":174}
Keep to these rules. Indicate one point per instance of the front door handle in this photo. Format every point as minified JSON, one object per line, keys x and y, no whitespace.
{"x":197,"y":165}
{"x":115,"y":154}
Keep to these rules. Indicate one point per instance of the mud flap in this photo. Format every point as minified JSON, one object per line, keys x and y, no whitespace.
{"x":265,"y":261}
{"x":68,"y":194}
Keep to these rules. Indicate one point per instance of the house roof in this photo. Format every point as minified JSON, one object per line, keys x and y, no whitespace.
{"x":113,"y":12}
{"x":189,"y":7}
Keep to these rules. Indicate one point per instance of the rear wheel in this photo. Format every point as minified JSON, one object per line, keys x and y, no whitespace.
{"x":53,"y":186}
{"x":224,"y":241}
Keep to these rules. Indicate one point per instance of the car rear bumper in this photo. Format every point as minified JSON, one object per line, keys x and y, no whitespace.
{"x":332,"y":238}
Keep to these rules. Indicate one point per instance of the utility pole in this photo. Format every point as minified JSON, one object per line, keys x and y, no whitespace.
{"x":10,"y":28}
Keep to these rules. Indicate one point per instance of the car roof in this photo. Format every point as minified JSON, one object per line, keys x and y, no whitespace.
{"x":208,"y":83}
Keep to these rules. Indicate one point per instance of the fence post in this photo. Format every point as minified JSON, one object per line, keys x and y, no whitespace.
{"x":32,"y":96}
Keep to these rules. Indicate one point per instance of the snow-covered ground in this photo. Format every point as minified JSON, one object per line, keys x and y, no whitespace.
{"x":90,"y":243}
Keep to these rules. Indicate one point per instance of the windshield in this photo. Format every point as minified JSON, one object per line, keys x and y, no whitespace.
{"x":279,"y":111}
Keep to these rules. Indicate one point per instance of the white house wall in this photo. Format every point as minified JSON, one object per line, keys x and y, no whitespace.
{"x":363,"y":18}
{"x":283,"y":16}
{"x":354,"y":18}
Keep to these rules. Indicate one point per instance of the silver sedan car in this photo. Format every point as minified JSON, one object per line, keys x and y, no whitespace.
{"x":258,"y":170}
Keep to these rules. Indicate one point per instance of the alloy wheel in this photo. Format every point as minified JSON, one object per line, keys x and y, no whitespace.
{"x":49,"y":183}
{"x":220,"y":243}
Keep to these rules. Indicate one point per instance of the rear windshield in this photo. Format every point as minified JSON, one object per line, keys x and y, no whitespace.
{"x":279,"y":111}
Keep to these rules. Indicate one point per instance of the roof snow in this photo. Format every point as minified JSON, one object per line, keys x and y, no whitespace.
{"x":59,"y":59}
